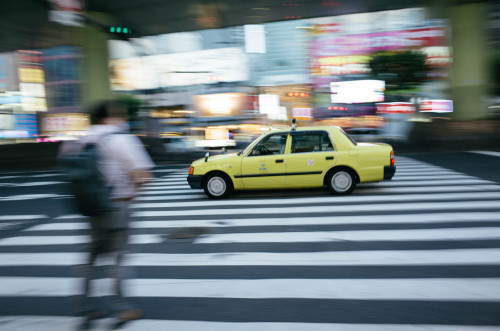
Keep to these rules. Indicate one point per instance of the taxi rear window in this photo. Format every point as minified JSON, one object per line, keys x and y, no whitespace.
{"x":349,"y":137}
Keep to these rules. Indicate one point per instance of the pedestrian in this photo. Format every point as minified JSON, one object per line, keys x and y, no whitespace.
{"x":125,"y":166}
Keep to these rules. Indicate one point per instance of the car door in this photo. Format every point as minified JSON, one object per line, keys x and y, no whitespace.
{"x":264,"y":166}
{"x":311,"y":154}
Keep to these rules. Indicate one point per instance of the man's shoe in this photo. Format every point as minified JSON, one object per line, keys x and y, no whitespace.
{"x":127,"y":316}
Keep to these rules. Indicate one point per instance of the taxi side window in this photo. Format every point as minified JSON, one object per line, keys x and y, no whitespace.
{"x":271,"y":145}
{"x":311,"y":142}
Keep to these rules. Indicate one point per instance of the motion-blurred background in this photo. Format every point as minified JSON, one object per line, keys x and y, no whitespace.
{"x":198,"y":75}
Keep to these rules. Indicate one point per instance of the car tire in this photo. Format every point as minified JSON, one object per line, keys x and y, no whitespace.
{"x":217,"y":186}
{"x":341,"y":181}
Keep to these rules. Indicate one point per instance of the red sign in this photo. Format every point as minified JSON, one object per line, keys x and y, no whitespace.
{"x":436,"y":106}
{"x":77,"y":6}
{"x":395,"y":108}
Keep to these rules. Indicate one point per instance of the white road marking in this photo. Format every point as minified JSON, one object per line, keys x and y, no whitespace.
{"x":63,"y":323}
{"x":31,"y":197}
{"x":143,"y":192}
{"x":294,"y":221}
{"x":31,"y":184}
{"x":427,"y":189}
{"x":21,"y":217}
{"x":358,"y":235}
{"x":162,"y":187}
{"x":386,"y":207}
{"x":445,"y":257}
{"x":428,"y":289}
{"x":71,"y":240}
{"x":362,"y":188}
{"x":328,"y":199}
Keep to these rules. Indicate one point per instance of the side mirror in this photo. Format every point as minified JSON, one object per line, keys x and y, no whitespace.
{"x":206,"y":156}
{"x":223,"y":150}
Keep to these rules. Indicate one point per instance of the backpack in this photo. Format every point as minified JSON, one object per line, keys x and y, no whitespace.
{"x":87,"y":184}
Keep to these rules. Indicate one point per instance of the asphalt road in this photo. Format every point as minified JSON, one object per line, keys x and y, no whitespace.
{"x":420,"y":252}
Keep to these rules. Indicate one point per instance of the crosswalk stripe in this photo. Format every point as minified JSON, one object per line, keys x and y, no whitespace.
{"x":359,"y":235}
{"x":424,"y":177}
{"x":427,"y":189}
{"x":31,"y":184}
{"x":143,"y":192}
{"x":72,"y":240}
{"x":31,"y":197}
{"x":420,"y":193}
{"x":177,"y":182}
{"x":479,"y":289}
{"x":363,"y":188}
{"x":386,"y":207}
{"x":21,"y":217}
{"x":63,"y":323}
{"x":330,"y":220}
{"x":162,"y":187}
{"x":475,"y":256}
{"x":320,"y":200}
{"x":172,"y":170}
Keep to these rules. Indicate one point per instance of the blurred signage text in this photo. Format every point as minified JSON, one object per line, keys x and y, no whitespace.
{"x":395,"y":108}
{"x":436,"y":106}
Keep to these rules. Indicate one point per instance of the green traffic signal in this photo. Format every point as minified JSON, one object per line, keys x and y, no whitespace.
{"x":120,"y":30}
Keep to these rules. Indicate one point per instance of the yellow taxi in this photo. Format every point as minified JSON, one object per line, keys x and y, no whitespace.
{"x":297,"y":157}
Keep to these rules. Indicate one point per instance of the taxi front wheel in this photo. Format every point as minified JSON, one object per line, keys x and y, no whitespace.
{"x":217,"y":186}
{"x":341,"y":181}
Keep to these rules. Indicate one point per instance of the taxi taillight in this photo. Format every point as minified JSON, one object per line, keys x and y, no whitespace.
{"x":392,"y":158}
{"x":191,"y":170}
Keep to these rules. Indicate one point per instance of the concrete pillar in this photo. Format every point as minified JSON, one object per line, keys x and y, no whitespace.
{"x":96,"y":69}
{"x":468,"y":76}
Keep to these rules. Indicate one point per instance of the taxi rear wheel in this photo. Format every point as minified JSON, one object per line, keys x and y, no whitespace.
{"x":341,"y":181}
{"x":217,"y":186}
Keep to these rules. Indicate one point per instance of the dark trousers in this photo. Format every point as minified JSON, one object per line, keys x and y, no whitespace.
{"x":109,"y":237}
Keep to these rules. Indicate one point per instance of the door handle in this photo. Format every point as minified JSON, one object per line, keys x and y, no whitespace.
{"x":279,"y":161}
{"x":329,"y":157}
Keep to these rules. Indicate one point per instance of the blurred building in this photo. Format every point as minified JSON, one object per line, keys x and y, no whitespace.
{"x":211,"y":85}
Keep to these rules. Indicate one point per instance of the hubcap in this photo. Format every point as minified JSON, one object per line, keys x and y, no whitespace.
{"x":341,"y":181}
{"x":216,"y":186}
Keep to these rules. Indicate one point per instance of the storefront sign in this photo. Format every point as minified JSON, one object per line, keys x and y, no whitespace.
{"x":395,"y":108}
{"x":338,"y":53}
{"x":220,"y":104}
{"x":357,"y":91}
{"x":179,"y":69}
{"x":436,"y":106}
{"x":61,"y":123}
{"x":302,"y":113}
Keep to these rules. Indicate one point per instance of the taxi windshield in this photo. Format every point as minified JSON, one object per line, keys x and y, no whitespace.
{"x":252,"y":144}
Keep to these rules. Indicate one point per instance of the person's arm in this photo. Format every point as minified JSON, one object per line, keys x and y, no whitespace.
{"x":141,"y":176}
{"x":135,"y":159}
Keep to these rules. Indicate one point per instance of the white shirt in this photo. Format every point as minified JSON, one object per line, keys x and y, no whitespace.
{"x":121,"y":154}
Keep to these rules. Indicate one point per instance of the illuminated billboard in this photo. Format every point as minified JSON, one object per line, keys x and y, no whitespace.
{"x":436,"y":106}
{"x":357,"y":91}
{"x":220,"y":104}
{"x":179,"y":69}
{"x":344,"y":44}
{"x":395,"y":108}
{"x":269,"y":104}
